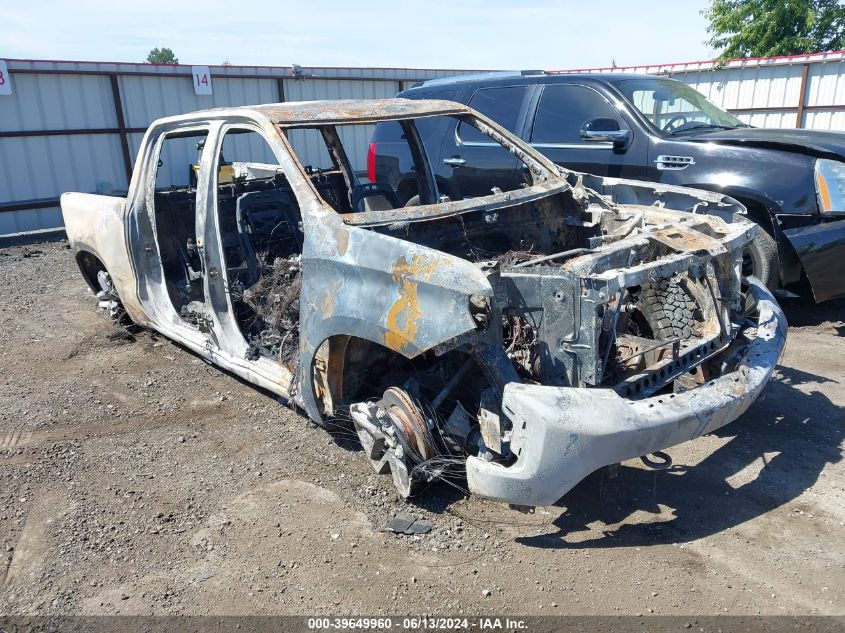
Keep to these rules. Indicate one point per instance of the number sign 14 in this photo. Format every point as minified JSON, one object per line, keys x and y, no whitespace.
{"x":202,"y":80}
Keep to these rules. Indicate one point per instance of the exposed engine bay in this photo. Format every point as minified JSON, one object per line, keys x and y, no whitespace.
{"x":590,"y":289}
{"x":586,"y":294}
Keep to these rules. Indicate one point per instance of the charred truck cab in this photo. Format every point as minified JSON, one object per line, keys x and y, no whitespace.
{"x":528,"y":335}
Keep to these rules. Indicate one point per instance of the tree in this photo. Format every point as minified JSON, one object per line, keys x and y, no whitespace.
{"x":161,"y":56}
{"x":762,"y":28}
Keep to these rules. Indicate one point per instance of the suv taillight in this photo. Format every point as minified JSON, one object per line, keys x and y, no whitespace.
{"x":371,"y":162}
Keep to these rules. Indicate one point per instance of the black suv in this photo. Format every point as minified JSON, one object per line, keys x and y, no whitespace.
{"x":645,"y":128}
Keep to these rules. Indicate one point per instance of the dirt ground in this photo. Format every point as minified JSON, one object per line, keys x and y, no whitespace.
{"x":137,"y":479}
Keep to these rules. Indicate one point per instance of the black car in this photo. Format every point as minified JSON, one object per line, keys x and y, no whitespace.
{"x":645,"y":128}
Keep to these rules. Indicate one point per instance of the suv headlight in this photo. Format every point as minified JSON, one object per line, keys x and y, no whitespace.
{"x":830,"y":185}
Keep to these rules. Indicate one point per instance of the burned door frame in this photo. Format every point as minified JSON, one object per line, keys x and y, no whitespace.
{"x":152,"y":278}
{"x":232,"y":343}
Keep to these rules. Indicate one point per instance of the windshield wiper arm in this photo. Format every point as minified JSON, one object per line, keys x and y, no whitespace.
{"x":703,"y":126}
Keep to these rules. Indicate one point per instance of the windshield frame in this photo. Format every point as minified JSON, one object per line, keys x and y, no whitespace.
{"x":684,"y":91}
{"x":547,"y":176}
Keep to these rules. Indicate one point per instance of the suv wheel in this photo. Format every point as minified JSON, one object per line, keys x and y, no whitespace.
{"x":760,"y":258}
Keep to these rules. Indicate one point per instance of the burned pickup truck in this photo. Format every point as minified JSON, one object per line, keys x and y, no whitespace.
{"x":529,"y":334}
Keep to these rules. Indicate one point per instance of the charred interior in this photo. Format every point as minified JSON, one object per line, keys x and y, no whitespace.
{"x":261,"y":234}
{"x":175,"y":219}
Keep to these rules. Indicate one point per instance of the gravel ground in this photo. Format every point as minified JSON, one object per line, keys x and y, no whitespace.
{"x":137,"y":479}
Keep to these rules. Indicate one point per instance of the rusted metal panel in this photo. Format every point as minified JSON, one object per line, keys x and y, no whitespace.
{"x":344,"y":111}
{"x":684,"y":239}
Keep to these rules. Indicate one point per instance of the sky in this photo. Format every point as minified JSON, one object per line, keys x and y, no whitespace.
{"x":554,"y":34}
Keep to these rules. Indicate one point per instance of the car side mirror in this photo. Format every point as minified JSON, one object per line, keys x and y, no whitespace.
{"x":605,"y":130}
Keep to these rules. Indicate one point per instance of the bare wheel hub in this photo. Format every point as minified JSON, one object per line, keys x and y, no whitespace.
{"x":409,"y":420}
{"x":395,"y":435}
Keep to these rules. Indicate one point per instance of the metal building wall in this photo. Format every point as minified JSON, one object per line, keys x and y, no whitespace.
{"x":38,"y":167}
{"x":764,"y":97}
{"x":77,"y":126}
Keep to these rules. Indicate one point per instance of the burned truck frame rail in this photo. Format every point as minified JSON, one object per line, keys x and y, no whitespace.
{"x":527,"y":335}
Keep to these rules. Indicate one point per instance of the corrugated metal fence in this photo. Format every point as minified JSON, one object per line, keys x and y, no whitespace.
{"x":76,"y":126}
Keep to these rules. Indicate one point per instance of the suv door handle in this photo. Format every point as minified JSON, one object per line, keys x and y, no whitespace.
{"x":455,"y":161}
{"x":619,"y":138}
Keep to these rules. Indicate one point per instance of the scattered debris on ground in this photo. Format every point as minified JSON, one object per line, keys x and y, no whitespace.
{"x":409,"y":525}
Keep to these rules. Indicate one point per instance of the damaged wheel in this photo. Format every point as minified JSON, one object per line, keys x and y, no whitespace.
{"x":396,"y":436}
{"x":412,"y":428}
{"x":107,"y":299}
{"x":760,"y":258}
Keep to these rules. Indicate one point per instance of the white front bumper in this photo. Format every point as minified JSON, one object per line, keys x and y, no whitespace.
{"x":562,"y":434}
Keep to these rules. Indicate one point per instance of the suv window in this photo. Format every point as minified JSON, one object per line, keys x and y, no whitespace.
{"x":391,"y":131}
{"x":500,"y":104}
{"x":672,"y":106}
{"x":563,"y":109}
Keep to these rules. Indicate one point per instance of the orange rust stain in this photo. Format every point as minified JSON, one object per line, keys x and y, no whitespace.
{"x":404,"y":314}
{"x":327,"y":299}
{"x":683,"y":239}
{"x":402,"y":317}
{"x":342,"y":242}
{"x":339,"y":234}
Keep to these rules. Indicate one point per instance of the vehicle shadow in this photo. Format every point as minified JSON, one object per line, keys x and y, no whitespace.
{"x":802,"y":312}
{"x":795,"y":434}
